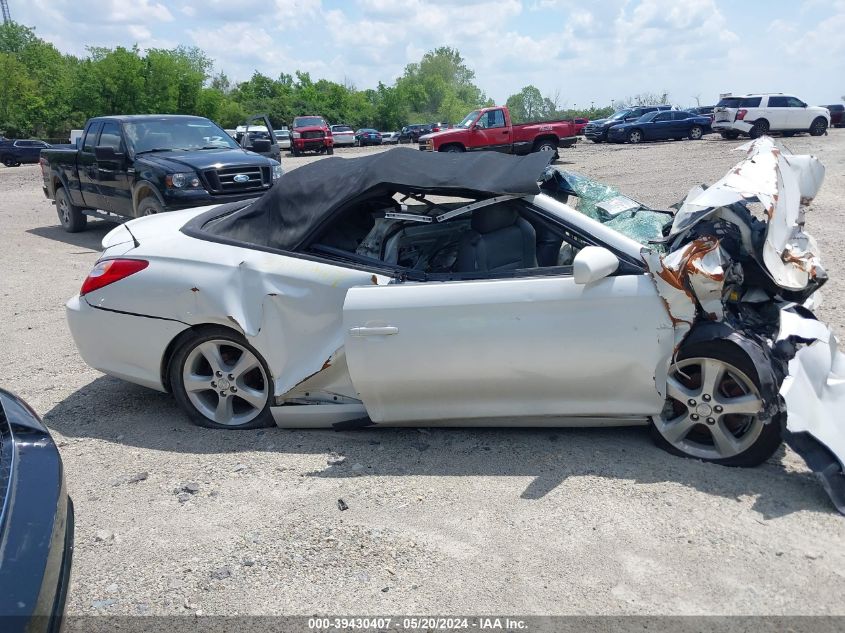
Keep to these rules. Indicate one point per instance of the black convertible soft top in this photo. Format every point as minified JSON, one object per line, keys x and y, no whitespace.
{"x":303,"y":199}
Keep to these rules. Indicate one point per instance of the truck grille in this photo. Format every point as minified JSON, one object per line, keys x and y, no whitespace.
{"x":231,"y":179}
{"x":314,"y":134}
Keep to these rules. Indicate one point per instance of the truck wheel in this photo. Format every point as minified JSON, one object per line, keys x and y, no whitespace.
{"x":761,"y":128}
{"x":453,"y":149}
{"x":818,"y":127}
{"x":71,"y":216}
{"x":330,"y":151}
{"x":293,"y":151}
{"x":149,"y":206}
{"x":696,"y":133}
{"x":545,"y":146}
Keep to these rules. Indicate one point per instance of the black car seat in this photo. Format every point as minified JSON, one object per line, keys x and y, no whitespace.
{"x":499,"y":240}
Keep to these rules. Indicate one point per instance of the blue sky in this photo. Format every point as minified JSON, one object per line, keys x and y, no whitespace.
{"x":579,"y":52}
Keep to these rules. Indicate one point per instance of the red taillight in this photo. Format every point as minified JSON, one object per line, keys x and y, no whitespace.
{"x":108,"y":271}
{"x":740,"y":114}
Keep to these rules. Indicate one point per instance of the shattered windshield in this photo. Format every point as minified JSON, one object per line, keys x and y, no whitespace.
{"x":607,"y":205}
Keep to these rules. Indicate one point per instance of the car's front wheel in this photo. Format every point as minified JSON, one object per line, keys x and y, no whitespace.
{"x":221,"y":381}
{"x":713,"y":406}
{"x":635,"y":136}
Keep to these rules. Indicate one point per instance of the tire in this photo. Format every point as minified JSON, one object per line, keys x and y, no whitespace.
{"x":8,"y":161}
{"x":818,"y":127}
{"x":70,"y":216}
{"x":149,"y":206}
{"x":293,"y":151}
{"x":545,"y":146}
{"x":729,"y":439}
{"x":215,"y":388}
{"x":731,"y":135}
{"x":330,"y":151}
{"x":635,"y":136}
{"x":696,"y":133}
{"x":761,"y":128}
{"x":453,"y":149}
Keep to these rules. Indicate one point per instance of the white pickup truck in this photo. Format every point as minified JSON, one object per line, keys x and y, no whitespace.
{"x":757,"y":114}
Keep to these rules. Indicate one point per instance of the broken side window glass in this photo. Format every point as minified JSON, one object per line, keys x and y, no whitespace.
{"x":607,"y":205}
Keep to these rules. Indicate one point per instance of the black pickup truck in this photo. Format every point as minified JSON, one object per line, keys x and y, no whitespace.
{"x":130,"y":166}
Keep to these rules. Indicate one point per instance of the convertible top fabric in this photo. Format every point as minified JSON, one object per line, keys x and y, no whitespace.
{"x":303,"y":199}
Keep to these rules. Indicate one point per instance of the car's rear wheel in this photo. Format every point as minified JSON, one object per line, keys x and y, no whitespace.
{"x":695,"y":133}
{"x":149,"y":206}
{"x":71,"y":216}
{"x":818,"y":127}
{"x":712,"y":409}
{"x":221,"y":381}
{"x":760,"y":128}
{"x":730,"y":135}
{"x":635,"y":136}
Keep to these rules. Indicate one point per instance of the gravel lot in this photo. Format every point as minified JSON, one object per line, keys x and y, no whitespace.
{"x":175,"y":519}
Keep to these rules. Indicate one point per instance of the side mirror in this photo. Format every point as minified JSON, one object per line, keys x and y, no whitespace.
{"x":593,"y":263}
{"x":106,"y":153}
{"x":261,"y":145}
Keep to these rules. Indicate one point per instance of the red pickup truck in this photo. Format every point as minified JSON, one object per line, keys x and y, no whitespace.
{"x":491,"y":129}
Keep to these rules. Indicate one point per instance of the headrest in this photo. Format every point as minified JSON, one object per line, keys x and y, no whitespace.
{"x":493,"y":218}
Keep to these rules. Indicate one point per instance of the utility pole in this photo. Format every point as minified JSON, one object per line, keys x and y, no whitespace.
{"x":7,"y":17}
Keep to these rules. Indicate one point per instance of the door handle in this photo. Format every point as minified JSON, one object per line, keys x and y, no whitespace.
{"x":385,"y":330}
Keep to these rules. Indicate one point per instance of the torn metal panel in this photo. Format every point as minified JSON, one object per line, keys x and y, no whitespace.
{"x":693,"y":273}
{"x":781,"y":183}
{"x":814,"y":391}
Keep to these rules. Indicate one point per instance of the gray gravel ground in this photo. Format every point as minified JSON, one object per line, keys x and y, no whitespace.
{"x":175,"y":519}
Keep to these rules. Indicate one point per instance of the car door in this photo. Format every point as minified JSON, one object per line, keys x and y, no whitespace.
{"x":777,"y":113}
{"x":113,"y":181}
{"x":661,"y":127}
{"x":532,"y":346}
{"x":86,"y":164}
{"x":491,"y":132}
{"x":798,"y":117}
{"x":681,"y":124}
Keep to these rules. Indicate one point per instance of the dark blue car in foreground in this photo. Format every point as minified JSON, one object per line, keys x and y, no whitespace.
{"x":661,"y":125}
{"x":36,"y":523}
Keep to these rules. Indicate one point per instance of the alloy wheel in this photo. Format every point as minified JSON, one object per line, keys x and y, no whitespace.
{"x":225,"y":382}
{"x":712,"y":409}
{"x":635,"y":136}
{"x":64,"y":211}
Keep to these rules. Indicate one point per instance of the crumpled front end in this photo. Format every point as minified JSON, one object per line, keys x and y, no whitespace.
{"x":738,"y":265}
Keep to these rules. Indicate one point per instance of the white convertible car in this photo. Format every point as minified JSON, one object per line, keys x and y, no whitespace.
{"x":482,"y":289}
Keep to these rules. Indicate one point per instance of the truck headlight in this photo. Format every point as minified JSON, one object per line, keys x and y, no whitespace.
{"x":277,"y":172}
{"x":182,"y":180}
{"x":296,"y":134}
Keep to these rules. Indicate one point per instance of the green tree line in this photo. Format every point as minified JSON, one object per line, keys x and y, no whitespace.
{"x":46,"y":93}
